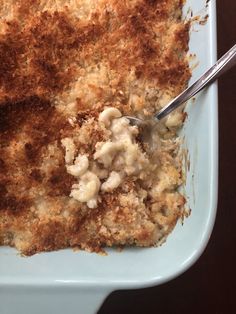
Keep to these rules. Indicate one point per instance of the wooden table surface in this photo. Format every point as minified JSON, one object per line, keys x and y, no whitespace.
{"x":210,"y":285}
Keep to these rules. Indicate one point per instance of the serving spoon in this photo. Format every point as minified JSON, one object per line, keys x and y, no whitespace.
{"x":222,"y":65}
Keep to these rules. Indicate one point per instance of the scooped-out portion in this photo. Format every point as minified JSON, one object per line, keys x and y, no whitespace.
{"x":73,"y":171}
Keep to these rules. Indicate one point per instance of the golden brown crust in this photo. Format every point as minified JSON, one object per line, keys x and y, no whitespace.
{"x":59,"y":62}
{"x":37,"y":58}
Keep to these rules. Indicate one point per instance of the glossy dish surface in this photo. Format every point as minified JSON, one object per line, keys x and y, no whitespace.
{"x":60,"y":278}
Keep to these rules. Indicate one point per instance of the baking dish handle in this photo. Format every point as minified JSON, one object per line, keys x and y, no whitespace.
{"x":66,"y":299}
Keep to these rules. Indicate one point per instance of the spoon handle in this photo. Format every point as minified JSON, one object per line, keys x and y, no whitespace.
{"x":223,"y":64}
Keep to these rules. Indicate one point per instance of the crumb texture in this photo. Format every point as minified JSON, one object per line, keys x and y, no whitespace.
{"x":73,"y":172}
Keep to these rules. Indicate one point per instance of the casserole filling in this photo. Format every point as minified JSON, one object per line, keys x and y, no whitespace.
{"x":73,"y":171}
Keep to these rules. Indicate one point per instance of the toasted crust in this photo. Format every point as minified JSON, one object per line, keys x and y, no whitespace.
{"x":60,"y":65}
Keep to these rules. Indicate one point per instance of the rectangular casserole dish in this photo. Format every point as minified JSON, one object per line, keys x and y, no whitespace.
{"x":78,"y":282}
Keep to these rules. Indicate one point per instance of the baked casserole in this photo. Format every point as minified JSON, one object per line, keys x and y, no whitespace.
{"x":73,"y":171}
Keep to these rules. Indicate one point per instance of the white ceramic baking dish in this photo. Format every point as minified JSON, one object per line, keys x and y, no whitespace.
{"x":65,"y":281}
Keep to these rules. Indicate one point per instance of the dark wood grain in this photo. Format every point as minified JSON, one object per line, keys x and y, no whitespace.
{"x":210,"y":285}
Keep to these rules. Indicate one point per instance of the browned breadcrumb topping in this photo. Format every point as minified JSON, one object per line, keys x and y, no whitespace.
{"x":61,"y":64}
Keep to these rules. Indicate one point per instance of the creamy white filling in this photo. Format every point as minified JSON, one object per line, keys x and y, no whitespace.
{"x":114,"y":159}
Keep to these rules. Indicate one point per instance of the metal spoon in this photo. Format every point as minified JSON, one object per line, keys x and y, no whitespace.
{"x":222,"y":65}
